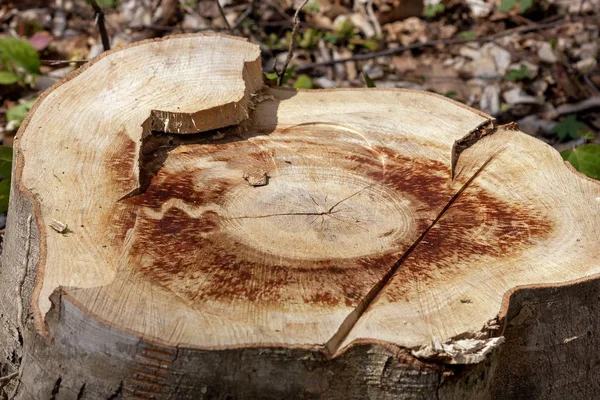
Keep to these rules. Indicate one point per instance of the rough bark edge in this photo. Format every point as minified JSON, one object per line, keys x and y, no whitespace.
{"x":18,"y":282}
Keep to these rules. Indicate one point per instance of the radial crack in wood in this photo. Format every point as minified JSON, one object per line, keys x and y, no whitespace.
{"x":352,"y":319}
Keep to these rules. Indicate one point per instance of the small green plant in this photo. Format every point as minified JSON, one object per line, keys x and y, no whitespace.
{"x":313,"y":6}
{"x":518,"y":74}
{"x":272,"y":76}
{"x":570,"y":128}
{"x":20,"y":61}
{"x":16,"y":114}
{"x":370,"y":44}
{"x":344,"y":32}
{"x":451,"y":94}
{"x":585,"y":159}
{"x":346,"y":29}
{"x":368,"y":80}
{"x":310,"y":39}
{"x":6,"y":155}
{"x":331,"y":37}
{"x":274,"y":42}
{"x":433,"y":10}
{"x":303,"y":82}
{"x":507,"y":5}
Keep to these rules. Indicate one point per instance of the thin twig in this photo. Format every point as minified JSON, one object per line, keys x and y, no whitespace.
{"x":373,"y":18}
{"x":243,"y":17}
{"x":591,"y":85}
{"x":101,"y":25}
{"x":223,"y":16}
{"x":281,"y":74}
{"x":55,"y":63}
{"x":431,"y":43}
{"x":585,"y":105}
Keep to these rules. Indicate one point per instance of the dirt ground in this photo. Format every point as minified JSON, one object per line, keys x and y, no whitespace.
{"x":530,"y":61}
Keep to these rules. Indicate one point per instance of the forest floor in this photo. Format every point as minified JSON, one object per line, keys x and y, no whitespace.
{"x":530,"y":61}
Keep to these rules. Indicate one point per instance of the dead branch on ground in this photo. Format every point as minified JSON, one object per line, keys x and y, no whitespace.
{"x":281,"y":74}
{"x":101,"y":25}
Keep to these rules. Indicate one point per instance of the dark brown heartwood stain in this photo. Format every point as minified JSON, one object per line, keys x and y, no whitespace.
{"x":196,"y":258}
{"x":476,"y":228}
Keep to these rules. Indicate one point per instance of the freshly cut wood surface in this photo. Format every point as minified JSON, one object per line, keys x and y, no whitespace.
{"x":313,"y":219}
{"x":526,"y":220}
{"x":93,"y":123}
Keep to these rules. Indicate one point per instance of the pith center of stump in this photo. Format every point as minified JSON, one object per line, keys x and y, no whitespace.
{"x":312,"y":213}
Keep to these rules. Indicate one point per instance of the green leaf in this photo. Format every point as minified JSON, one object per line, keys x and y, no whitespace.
{"x":6,"y":154}
{"x":17,"y":114}
{"x":587,"y":134}
{"x":313,"y":6}
{"x":19,"y":55}
{"x":368,"y":80}
{"x":370,"y":44}
{"x":518,"y":74}
{"x":451,"y":94}
{"x":303,"y":82}
{"x":434,"y":9}
{"x":568,"y":128}
{"x":346,"y":29}
{"x":506,"y":5}
{"x":4,"y":195}
{"x":114,"y":3}
{"x":467,"y":35}
{"x":272,"y":76}
{"x":525,"y":5}
{"x":310,"y":39}
{"x":331,"y":37}
{"x":288,"y":74}
{"x":8,"y":78}
{"x":585,"y":159}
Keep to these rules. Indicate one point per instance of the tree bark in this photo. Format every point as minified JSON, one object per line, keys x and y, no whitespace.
{"x":177,"y":230}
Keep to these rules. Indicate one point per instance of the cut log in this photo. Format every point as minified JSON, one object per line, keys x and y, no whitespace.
{"x":179,"y":230}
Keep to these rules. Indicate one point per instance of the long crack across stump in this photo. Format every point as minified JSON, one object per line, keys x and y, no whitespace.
{"x":156,"y":146}
{"x":333,"y":346}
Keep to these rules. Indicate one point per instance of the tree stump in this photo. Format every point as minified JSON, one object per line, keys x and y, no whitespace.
{"x":178,"y":230}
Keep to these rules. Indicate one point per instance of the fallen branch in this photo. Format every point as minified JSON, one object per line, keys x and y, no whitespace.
{"x":101,"y":25}
{"x":243,"y":17}
{"x":290,"y":53}
{"x":432,"y":43}
{"x":57,"y":63}
{"x":587,"y":104}
{"x":373,"y":18}
{"x":223,"y":16}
